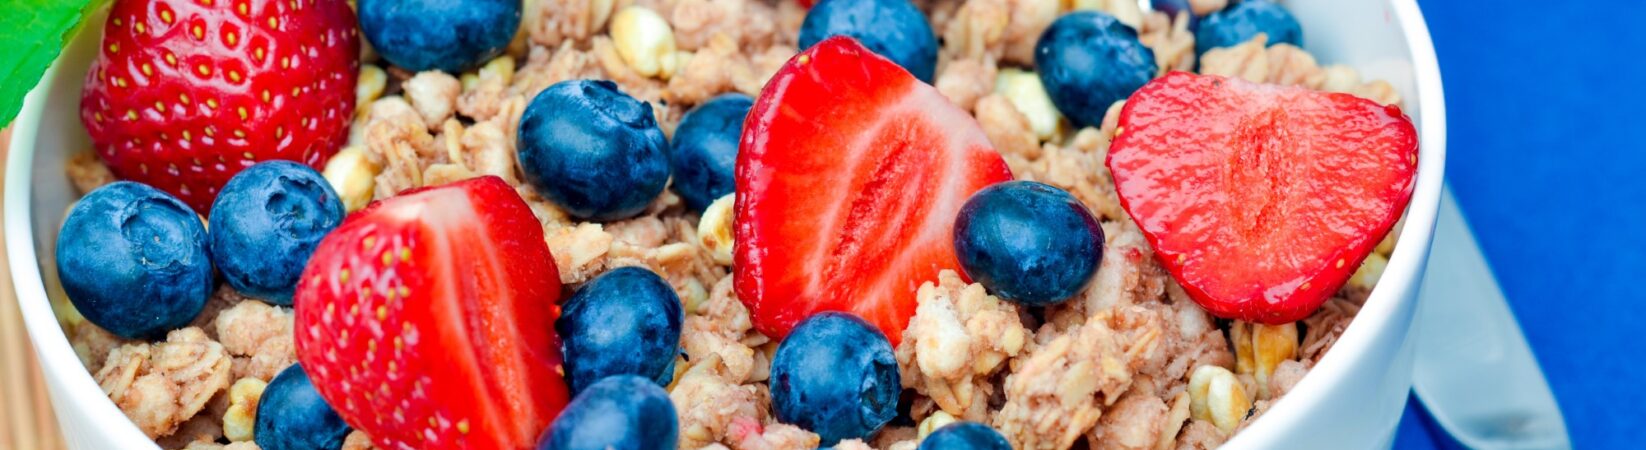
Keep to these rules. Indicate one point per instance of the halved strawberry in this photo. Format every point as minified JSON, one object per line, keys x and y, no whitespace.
{"x":1260,"y":200}
{"x":849,"y":177}
{"x":426,"y":320}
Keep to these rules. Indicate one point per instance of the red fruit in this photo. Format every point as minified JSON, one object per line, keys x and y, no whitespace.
{"x":1260,"y":200}
{"x":185,"y":93}
{"x":849,"y":177}
{"x":426,"y":320}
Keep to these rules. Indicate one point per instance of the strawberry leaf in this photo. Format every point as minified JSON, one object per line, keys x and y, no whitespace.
{"x":33,"y":32}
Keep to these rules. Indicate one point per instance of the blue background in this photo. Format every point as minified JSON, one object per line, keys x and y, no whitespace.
{"x":1545,"y":156}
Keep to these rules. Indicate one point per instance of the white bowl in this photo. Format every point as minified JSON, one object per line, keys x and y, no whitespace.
{"x":1352,"y":399}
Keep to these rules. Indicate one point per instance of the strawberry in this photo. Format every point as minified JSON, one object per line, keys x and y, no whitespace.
{"x":1260,"y":200}
{"x":849,"y":177}
{"x":426,"y":320}
{"x":185,"y":93}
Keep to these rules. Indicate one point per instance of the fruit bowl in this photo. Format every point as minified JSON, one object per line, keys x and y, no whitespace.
{"x":1352,"y":399}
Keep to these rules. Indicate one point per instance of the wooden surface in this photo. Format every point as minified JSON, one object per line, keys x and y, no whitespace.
{"x":26,"y":421}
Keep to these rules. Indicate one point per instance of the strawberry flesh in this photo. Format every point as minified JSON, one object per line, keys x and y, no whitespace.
{"x":185,"y":94}
{"x":1260,"y":200}
{"x":849,"y":177}
{"x":425,"y":320}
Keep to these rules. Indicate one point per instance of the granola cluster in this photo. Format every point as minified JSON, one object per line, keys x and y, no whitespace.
{"x":1130,"y":363}
{"x":959,"y":339}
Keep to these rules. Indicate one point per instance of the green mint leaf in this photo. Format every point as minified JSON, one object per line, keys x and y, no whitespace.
{"x":32,"y":33}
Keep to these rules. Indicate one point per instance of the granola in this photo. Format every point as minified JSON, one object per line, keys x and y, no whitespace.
{"x":1111,"y":367}
{"x":709,"y":403}
{"x":1170,"y":39}
{"x":259,"y":337}
{"x":1136,"y":422}
{"x":959,"y":337}
{"x":87,"y":172}
{"x":163,"y":385}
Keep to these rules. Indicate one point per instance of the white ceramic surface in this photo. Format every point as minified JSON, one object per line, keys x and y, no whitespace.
{"x":1352,"y":399}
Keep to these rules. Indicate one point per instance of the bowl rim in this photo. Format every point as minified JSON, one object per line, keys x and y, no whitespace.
{"x":1405,"y":268}
{"x":70,"y":381}
{"x":67,"y":379}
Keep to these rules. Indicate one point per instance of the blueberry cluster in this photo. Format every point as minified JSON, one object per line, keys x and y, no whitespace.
{"x":620,"y":335}
{"x":138,"y":262}
{"x":599,"y":154}
{"x":1088,"y":60}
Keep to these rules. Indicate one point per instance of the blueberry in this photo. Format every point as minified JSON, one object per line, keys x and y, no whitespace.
{"x":292,"y":416}
{"x":134,"y":260}
{"x":447,"y":35}
{"x":1172,"y":7}
{"x":965,"y":436}
{"x":624,"y":322}
{"x":623,"y":412}
{"x":1088,"y":60}
{"x":1242,"y":21}
{"x":1028,"y":242}
{"x":593,"y":150}
{"x":266,"y":222}
{"x":705,"y":149}
{"x":835,"y":375}
{"x":894,"y":29}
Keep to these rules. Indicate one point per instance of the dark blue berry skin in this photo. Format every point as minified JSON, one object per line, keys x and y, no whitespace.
{"x":624,"y":322}
{"x":448,"y":35}
{"x":835,"y":375}
{"x":1028,"y":242}
{"x":1242,"y":21}
{"x":965,"y":436}
{"x":623,"y":412}
{"x":593,"y":150}
{"x":705,"y":149}
{"x":1172,"y":7}
{"x":894,"y":29}
{"x":134,"y":260}
{"x":266,"y":222}
{"x":1088,"y":60}
{"x":292,"y":416}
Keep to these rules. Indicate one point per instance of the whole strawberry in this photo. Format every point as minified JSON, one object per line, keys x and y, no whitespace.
{"x":184,"y":94}
{"x":427,"y":320}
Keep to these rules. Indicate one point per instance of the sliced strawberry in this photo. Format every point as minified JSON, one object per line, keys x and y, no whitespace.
{"x":426,"y":320}
{"x":185,"y":93}
{"x":849,"y":177}
{"x":1260,"y":200}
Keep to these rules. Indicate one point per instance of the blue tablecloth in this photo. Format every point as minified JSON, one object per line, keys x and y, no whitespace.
{"x":1547,"y":160}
